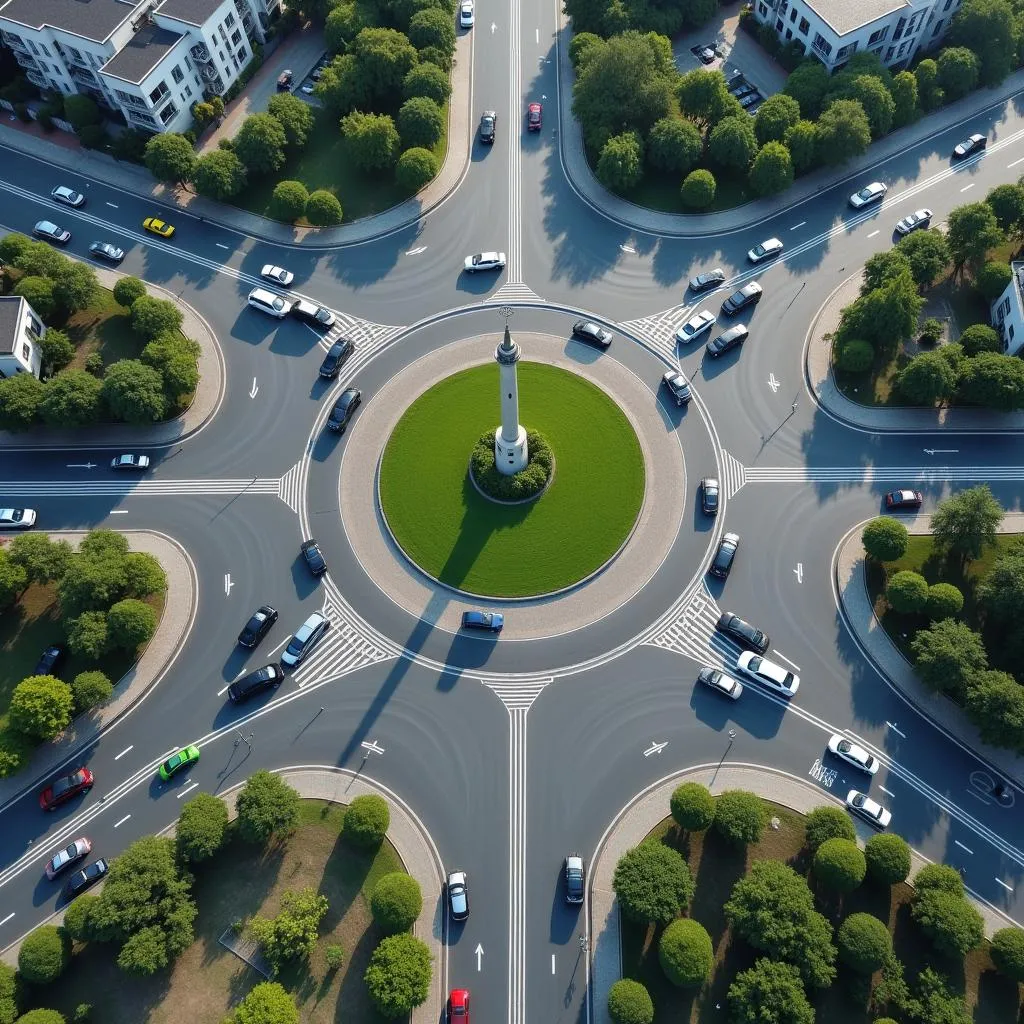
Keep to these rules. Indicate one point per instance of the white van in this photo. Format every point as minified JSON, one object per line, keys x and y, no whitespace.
{"x":270,"y":303}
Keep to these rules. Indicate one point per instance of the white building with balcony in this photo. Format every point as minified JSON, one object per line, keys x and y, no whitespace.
{"x":1008,"y":311}
{"x":149,"y":59}
{"x":20,"y":331}
{"x":834,"y":30}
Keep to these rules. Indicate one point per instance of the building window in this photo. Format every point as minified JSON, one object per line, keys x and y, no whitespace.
{"x":188,"y":92}
{"x":243,"y":54}
{"x":804,"y":26}
{"x":26,"y":352}
{"x":902,"y":49}
{"x":236,"y":37}
{"x":762,"y":10}
{"x":223,"y":34}
{"x":221,"y":56}
{"x":889,"y":53}
{"x":168,"y":113}
{"x":188,"y":63}
{"x":789,"y":34}
{"x":792,"y":15}
{"x":35,"y":326}
{"x":938,"y":27}
{"x":878,"y":35}
{"x":32,"y":47}
{"x":44,"y":50}
{"x":1011,"y":332}
{"x":43,"y":66}
{"x":899,"y":29}
{"x":949,"y":3}
{"x":778,"y":24}
{"x":229,"y":20}
{"x":158,"y":93}
{"x":822,"y":45}
{"x":177,"y":74}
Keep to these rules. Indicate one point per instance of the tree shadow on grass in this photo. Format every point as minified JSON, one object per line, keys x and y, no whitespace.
{"x":737,"y":956}
{"x":344,"y":876}
{"x":916,"y":953}
{"x":999,"y":1000}
{"x":721,"y":867}
{"x":353,"y":998}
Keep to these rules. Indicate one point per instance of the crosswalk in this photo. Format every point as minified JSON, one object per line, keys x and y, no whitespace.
{"x":657,"y":332}
{"x":692,"y":633}
{"x":518,"y":694}
{"x":512,"y":291}
{"x":289,"y":487}
{"x":137,"y":488}
{"x":368,"y":336}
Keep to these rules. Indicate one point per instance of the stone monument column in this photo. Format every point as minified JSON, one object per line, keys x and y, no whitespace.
{"x":510,"y":449}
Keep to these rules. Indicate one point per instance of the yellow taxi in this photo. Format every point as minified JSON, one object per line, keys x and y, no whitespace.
{"x":158,"y":227}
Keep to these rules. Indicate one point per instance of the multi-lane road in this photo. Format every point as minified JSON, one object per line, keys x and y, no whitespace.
{"x":513,"y":754}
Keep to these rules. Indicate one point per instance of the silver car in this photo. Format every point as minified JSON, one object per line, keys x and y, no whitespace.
{"x":76,"y":851}
{"x":872,"y":811}
{"x":278,"y":275}
{"x":720,"y":682}
{"x":765,"y":250}
{"x":872,"y":193}
{"x":918,"y":219}
{"x":696,"y":326}
{"x":484,"y":261}
{"x":67,"y":196}
{"x":678,"y":386}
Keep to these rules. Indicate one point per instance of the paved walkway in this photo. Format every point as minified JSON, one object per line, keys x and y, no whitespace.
{"x":204,"y":405}
{"x":879,"y":418}
{"x":651,"y":807}
{"x":859,"y":617}
{"x":146,"y":673}
{"x":136,"y":179}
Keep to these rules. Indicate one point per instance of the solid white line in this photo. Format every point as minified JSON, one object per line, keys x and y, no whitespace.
{"x":536,"y":33}
{"x":872,"y":235}
{"x":125,"y":751}
{"x":115,"y":206}
{"x":118,"y":824}
{"x":886,"y":791}
{"x":219,"y":692}
{"x":895,"y":730}
{"x":1008,"y":888}
{"x":800,"y":225}
{"x":1015,"y":162}
{"x":962,"y":847}
{"x":7,"y":918}
{"x":552,"y":963}
{"x":188,"y":789}
{"x":220,"y":245}
{"x":785,"y":659}
{"x":966,"y":187}
{"x":119,"y":511}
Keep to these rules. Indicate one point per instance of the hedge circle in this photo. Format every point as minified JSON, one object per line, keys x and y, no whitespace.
{"x":366,"y":821}
{"x":888,"y":858}
{"x":839,"y":865}
{"x":396,"y":902}
{"x":692,"y":807}
{"x":685,"y":953}
{"x":630,"y":1003}
{"x":864,"y":943}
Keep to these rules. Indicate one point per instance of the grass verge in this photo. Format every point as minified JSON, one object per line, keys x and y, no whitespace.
{"x":466,"y":541}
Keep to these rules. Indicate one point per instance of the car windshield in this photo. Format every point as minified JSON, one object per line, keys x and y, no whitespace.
{"x":844,"y":747}
{"x":68,"y":782}
{"x":859,"y":800}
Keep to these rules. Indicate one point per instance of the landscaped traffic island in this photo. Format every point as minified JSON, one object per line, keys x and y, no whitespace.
{"x":468,"y":541}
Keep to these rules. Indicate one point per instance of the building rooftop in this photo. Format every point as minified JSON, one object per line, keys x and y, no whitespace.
{"x":10,"y":318}
{"x":90,"y":19}
{"x":141,"y":54}
{"x":192,"y":12}
{"x":844,"y":16}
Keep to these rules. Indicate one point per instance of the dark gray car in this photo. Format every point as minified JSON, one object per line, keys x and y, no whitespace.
{"x":724,"y":556}
{"x":749,"y":295}
{"x":344,"y":409}
{"x":729,"y":339}
{"x":335,"y":358}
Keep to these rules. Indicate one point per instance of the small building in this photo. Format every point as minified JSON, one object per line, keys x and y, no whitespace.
{"x":20,"y":331}
{"x":1008,"y":311}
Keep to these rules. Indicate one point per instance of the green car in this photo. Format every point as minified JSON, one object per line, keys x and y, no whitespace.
{"x":179,"y":762}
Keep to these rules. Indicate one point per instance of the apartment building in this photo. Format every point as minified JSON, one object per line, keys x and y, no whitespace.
{"x":834,"y":30}
{"x":149,"y":59}
{"x":20,"y":331}
{"x":1008,"y":311}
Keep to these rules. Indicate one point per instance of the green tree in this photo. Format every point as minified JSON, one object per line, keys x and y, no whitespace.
{"x":704,"y":97}
{"x":294,"y":116}
{"x":134,"y":392}
{"x":888,"y":858}
{"x":127,"y":290}
{"x":877,"y":101}
{"x":928,"y":254}
{"x":808,"y":85}
{"x":587,"y":15}
{"x":342,"y":26}
{"x":971,"y":233}
{"x":41,"y":1016}
{"x":957,"y":72}
{"x":169,"y":157}
{"x":1006,"y":202}
{"x":882,"y":268}
{"x":693,"y":807}
{"x":864,"y":943}
{"x":40,"y":259}
{"x":9,"y":997}
{"x":630,"y":1003}
{"x":323,"y":208}
{"x":220,"y":174}
{"x":383,"y":57}
{"x":802,"y":142}
{"x":674,"y":145}
{"x":20,"y":398}
{"x":885,"y":539}
{"x":143,"y":575}
{"x":991,"y":280}
{"x":929,"y":91}
{"x":966,"y":522}
{"x":995,"y":703}
{"x":288,"y":200}
{"x":732,"y":144}
{"x":420,"y":123}
{"x":44,"y":955}
{"x":843,"y":132}
{"x":373,"y":140}
{"x":202,"y":828}
{"x":1001,"y":591}
{"x":620,"y":166}
{"x":1007,"y":952}
{"x":948,"y":920}
{"x":769,"y":993}
{"x":260,"y":143}
{"x":947,"y":656}
{"x":652,"y":883}
{"x":202,"y":114}
{"x":980,"y":338}
{"x":825,"y":823}
{"x":144,"y":952}
{"x":175,"y":358}
{"x":429,"y":81}
{"x":775,"y":117}
{"x":266,"y":1003}
{"x":38,"y":293}
{"x":396,"y":902}
{"x":130,"y":623}
{"x":88,"y":636}
{"x":89,"y":689}
{"x":366,"y":821}
{"x":152,"y":317}
{"x":839,"y":865}
{"x":13,"y":246}
{"x":907,"y":592}
{"x":993,"y":380}
{"x":292,"y":934}
{"x":904,"y":94}
{"x":13,"y":579}
{"x":266,"y":806}
{"x":398,"y":976}
{"x":740,"y":817}
{"x":432,"y":27}
{"x":80,"y":110}
{"x":415,"y":168}
{"x":41,"y":707}
{"x":56,"y":349}
{"x":986,"y":28}
{"x":772,"y":171}
{"x":75,"y":287}
{"x":685,"y":953}
{"x":698,"y":189}
{"x":944,"y":601}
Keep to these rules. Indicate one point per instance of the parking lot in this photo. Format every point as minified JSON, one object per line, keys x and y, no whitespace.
{"x":303,"y":87}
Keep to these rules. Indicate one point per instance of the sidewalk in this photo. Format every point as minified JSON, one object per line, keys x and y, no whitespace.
{"x":651,"y":807}
{"x":205,"y":404}
{"x":892,"y":419}
{"x":859,"y":617}
{"x":136,"y":179}
{"x":159,"y":655}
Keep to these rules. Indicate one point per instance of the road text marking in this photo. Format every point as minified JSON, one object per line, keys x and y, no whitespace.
{"x":1008,"y":888}
{"x":892,"y":725}
{"x":887,"y":792}
{"x":627,"y":248}
{"x":799,"y":570}
{"x":826,"y":776}
{"x":118,"y":824}
{"x":416,"y":251}
{"x":785,"y":659}
{"x":123,"y":752}
{"x":962,"y":847}
{"x":940,"y":451}
{"x":80,"y":465}
{"x":655,"y":748}
{"x":187,"y":789}
{"x":552,"y":963}
{"x":372,"y":748}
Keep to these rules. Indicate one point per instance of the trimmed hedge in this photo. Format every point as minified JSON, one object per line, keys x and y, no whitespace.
{"x":519,"y":486}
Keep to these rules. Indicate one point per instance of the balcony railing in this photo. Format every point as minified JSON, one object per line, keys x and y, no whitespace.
{"x":36,"y":78}
{"x":209,"y":72}
{"x":13,"y":41}
{"x":200,"y":53}
{"x":26,"y":60}
{"x":822,"y":52}
{"x":83,"y":74}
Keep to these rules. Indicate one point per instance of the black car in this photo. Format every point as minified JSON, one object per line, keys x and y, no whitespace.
{"x":488,"y":125}
{"x":727,"y":340}
{"x":335,"y":358}
{"x":709,"y":279}
{"x":50,"y":660}
{"x":574,"y":872}
{"x":107,"y":251}
{"x":709,"y":495}
{"x":258,"y":626}
{"x":743,"y":633}
{"x":749,"y":295}
{"x":724,"y":556}
{"x":267,"y":678}
{"x":314,"y":557}
{"x":86,"y":877}
{"x":974,"y":144}
{"x":344,"y":409}
{"x":284,"y":80}
{"x":587,"y":330}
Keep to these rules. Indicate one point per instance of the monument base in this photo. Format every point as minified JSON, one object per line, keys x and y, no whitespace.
{"x":510,"y":458}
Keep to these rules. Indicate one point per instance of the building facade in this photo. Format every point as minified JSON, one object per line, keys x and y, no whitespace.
{"x":149,"y":59}
{"x":1008,"y":311}
{"x":834,"y":30}
{"x":20,"y":331}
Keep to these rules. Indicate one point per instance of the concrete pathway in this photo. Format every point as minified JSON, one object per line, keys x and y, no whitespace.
{"x":204,"y":405}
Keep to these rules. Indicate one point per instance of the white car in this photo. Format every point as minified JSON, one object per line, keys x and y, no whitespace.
{"x":484,"y":261}
{"x":67,"y":196}
{"x":720,"y":682}
{"x":868,"y":194}
{"x":918,"y":219}
{"x":278,"y":275}
{"x":130,"y":462}
{"x":76,"y":851}
{"x":466,"y":14}
{"x":696,"y":326}
{"x":767,"y":673}
{"x":848,"y":751}
{"x":17,"y":518}
{"x":862,"y":804}
{"x":678,"y":386}
{"x":766,"y":249}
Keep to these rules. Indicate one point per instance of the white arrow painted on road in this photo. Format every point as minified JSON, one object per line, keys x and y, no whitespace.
{"x":655,"y":748}
{"x":254,"y":389}
{"x":494,"y":28}
{"x":227,"y":583}
{"x":417,"y":250}
{"x":799,"y":570}
{"x":479,"y":954}
{"x":773,"y":383}
{"x":81,"y":465}
{"x":941,"y":451}
{"x":627,"y":248}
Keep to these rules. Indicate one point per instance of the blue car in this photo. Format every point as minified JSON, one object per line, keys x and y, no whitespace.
{"x":490,"y":621}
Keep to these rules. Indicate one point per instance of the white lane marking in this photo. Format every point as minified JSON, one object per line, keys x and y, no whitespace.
{"x":479,"y":951}
{"x":536,"y":35}
{"x":940,"y":451}
{"x":552,"y":963}
{"x":962,"y":847}
{"x":7,"y":918}
{"x":187,"y":789}
{"x":892,"y":725}
{"x":785,"y":659}
{"x":1015,"y":162}
{"x":872,"y":235}
{"x":114,"y":205}
{"x":118,"y":824}
{"x":221,"y":692}
{"x":966,"y":187}
{"x":220,"y":245}
{"x":123,"y":752}
{"x":416,"y":251}
{"x":800,"y":225}
{"x":1008,"y":888}
{"x":799,"y":570}
{"x":81,"y":465}
{"x":373,"y":747}
{"x":119,"y":511}
{"x":887,"y":792}
{"x":493,"y":28}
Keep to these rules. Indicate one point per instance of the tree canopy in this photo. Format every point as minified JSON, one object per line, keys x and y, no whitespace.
{"x":652,"y":883}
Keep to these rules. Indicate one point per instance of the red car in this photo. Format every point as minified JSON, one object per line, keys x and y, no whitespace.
{"x":534,"y":117}
{"x":64,"y":789}
{"x":458,"y":1006}
{"x":904,"y":499}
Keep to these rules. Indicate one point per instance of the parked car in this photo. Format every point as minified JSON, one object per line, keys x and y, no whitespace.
{"x":918,"y":219}
{"x":491,"y":622}
{"x":284,"y":80}
{"x":344,"y":409}
{"x":65,"y":858}
{"x":720,"y":682}
{"x":904,"y":499}
{"x":17,"y":518}
{"x":593,"y":334}
{"x":50,"y":660}
{"x":83,"y":879}
{"x":740,"y":89}
{"x":313,"y":313}
{"x":466,"y":14}
{"x":862,"y":805}
{"x":709,"y":495}
{"x":50,"y":232}
{"x":534,"y":117}
{"x":709,"y":279}
{"x":67,"y":196}
{"x":107,"y":251}
{"x":314,"y":557}
{"x":706,"y":55}
{"x":457,"y":889}
{"x":66,"y":788}
{"x":269,"y":302}
{"x":458,"y":1006}
{"x":179,"y":762}
{"x":277,"y":274}
{"x":749,"y":295}
{"x":733,"y":337}
{"x":269,"y":677}
{"x":574,"y":875}
{"x":742,"y":632}
{"x":335,"y":358}
{"x":678,"y":386}
{"x":131,"y":462}
{"x":696,"y":326}
{"x":488,"y":126}
{"x":765,"y":250}
{"x":975,"y":144}
{"x":305,"y":639}
{"x":752,"y":98}
{"x":768,"y":674}
{"x":848,"y":751}
{"x":484,"y":261}
{"x":869,"y":194}
{"x":259,"y":625}
{"x":721,"y":564}
{"x":156,"y":226}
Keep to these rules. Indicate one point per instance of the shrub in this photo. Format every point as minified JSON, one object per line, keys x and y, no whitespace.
{"x":1008,"y":952}
{"x":398,"y":976}
{"x":130,"y":623}
{"x":38,"y":293}
{"x":420,"y":123}
{"x":202,"y":827}
{"x":888,"y":858}
{"x":854,"y":355}
{"x":292,"y":934}
{"x":620,"y":165}
{"x":76,"y":918}
{"x":652,"y":883}
{"x":952,"y":924}
{"x":42,"y":1016}
{"x":366,"y":821}
{"x":991,"y":281}
{"x":519,"y":486}
{"x":685,"y":953}
{"x":980,"y":338}
{"x":415,"y":168}
{"x":266,"y":806}
{"x":864,"y":943}
{"x":839,"y":865}
{"x":885,"y":539}
{"x":90,"y":689}
{"x":127,"y":290}
{"x":630,"y":1003}
{"x":674,"y":145}
{"x":931,"y":331}
{"x":334,"y":957}
{"x":693,"y":807}
{"x":427,"y":80}
{"x":152,"y":317}
{"x":944,"y":601}
{"x":698,"y":189}
{"x":323,"y":208}
{"x":9,"y":995}
{"x":740,"y":817}
{"x":266,"y":1003}
{"x":87,"y":634}
{"x":824,"y":823}
{"x":907,"y":592}
{"x":41,"y":707}
{"x":288,"y":201}
{"x":44,"y":955}
{"x":396,"y":902}
{"x":83,"y":1011}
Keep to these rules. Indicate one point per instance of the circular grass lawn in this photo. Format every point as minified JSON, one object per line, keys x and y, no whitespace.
{"x":460,"y":537}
